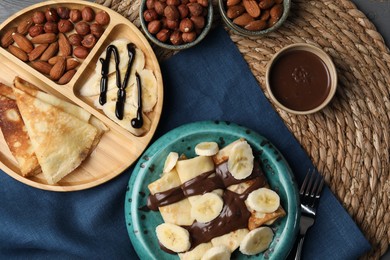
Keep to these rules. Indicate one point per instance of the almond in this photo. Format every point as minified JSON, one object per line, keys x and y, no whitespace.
{"x":252,"y":8}
{"x":50,"y":51}
{"x":64,"y":44}
{"x":7,"y":39}
{"x":42,"y":66}
{"x":66,"y":77}
{"x":266,"y":4}
{"x":256,"y":25}
{"x":24,"y":26}
{"x":44,"y":38}
{"x":235,"y":11}
{"x":232,"y":2}
{"x":37,"y":52}
{"x":58,"y":69}
{"x":276,"y":11}
{"x":72,"y":63}
{"x":19,"y":53}
{"x":23,"y":42}
{"x":243,"y":19}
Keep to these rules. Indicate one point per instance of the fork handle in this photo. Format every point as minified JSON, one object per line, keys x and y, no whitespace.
{"x":298,"y":253}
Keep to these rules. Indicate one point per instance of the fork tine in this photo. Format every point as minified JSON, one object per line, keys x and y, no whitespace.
{"x":304,"y":184}
{"x":311,"y":183}
{"x":316,"y":191}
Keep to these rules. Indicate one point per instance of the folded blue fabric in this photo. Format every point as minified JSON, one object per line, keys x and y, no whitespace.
{"x":208,"y":82}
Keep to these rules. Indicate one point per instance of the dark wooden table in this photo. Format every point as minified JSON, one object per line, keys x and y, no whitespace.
{"x":378,"y":11}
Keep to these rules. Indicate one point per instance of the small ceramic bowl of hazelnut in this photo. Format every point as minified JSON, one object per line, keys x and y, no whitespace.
{"x":176,"y":24}
{"x":254,"y":17}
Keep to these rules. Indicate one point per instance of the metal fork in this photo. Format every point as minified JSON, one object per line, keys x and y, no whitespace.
{"x":310,"y":194}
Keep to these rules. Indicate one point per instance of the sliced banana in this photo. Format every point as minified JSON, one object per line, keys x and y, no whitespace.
{"x":240,"y":162}
{"x":256,"y":241}
{"x":207,"y":148}
{"x":263,"y":200}
{"x":173,"y":237}
{"x":207,"y":207}
{"x":149,"y":91}
{"x":217,"y":253}
{"x":170,"y":162}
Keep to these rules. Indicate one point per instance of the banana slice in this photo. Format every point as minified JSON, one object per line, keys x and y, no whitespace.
{"x":149,"y":91}
{"x":207,"y":207}
{"x":217,"y":253}
{"x":170,"y":162}
{"x":256,"y":241}
{"x":173,"y":237}
{"x":263,"y":200}
{"x":240,"y":162}
{"x":207,"y":148}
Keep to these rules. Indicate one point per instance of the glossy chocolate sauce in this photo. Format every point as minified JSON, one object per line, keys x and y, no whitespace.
{"x":234,"y":214}
{"x":300,"y":80}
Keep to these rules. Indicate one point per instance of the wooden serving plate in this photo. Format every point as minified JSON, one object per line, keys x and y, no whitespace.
{"x":118,"y":148}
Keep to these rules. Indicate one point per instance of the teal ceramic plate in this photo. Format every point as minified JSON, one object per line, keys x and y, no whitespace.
{"x":141,"y":222}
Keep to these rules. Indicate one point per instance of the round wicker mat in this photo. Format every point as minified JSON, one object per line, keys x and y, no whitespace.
{"x":349,"y":141}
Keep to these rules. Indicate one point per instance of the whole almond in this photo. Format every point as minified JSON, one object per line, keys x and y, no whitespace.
{"x":80,"y":52}
{"x":6,"y":39}
{"x":235,"y":11}
{"x":58,"y":69}
{"x":252,"y":8}
{"x":51,"y":51}
{"x":65,"y":47}
{"x":42,"y":66}
{"x":54,"y":59}
{"x":232,"y":2}
{"x":276,"y":11}
{"x":266,"y":4}
{"x":23,"y":42}
{"x":37,"y":52}
{"x":24,"y":25}
{"x":243,"y":19}
{"x":44,"y":38}
{"x":66,"y":77}
{"x":18,"y":53}
{"x":72,"y":63}
{"x":256,"y":25}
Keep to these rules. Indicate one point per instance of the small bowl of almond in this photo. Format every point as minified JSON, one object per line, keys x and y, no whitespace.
{"x":176,"y":24}
{"x":254,"y":17}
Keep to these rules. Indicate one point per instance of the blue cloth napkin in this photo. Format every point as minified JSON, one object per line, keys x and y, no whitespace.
{"x":210,"y":81}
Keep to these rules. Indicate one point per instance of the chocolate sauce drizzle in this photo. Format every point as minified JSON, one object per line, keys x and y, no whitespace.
{"x":111,"y":49}
{"x":234,"y":214}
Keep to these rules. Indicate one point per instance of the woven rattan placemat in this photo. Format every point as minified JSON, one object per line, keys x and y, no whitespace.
{"x":349,"y":140}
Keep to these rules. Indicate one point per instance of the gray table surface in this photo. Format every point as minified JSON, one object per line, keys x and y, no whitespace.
{"x":378,"y":11}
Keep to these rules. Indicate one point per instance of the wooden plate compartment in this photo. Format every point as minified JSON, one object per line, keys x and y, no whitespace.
{"x":118,"y":148}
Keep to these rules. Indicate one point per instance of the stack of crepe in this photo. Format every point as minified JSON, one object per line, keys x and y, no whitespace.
{"x":179,"y":213}
{"x":45,"y":133}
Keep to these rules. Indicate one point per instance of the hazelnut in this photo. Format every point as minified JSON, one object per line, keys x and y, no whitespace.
{"x":186,"y":25}
{"x":82,"y":28}
{"x":176,"y":38}
{"x":154,"y":26}
{"x":75,"y":39}
{"x":150,"y":15}
{"x":195,"y":9}
{"x":204,"y":3}
{"x":185,"y":2}
{"x":171,"y":12}
{"x":150,"y":4}
{"x":183,"y":10}
{"x":63,"y":12}
{"x":199,"y":21}
{"x":163,"y":35}
{"x":102,"y":18}
{"x":172,"y":24}
{"x":36,"y":30}
{"x":173,"y":2}
{"x":80,"y":52}
{"x":87,"y":14}
{"x":51,"y":15}
{"x":89,"y":41}
{"x":75,"y":15}
{"x":65,"y":26}
{"x":51,"y":27}
{"x":39,"y":17}
{"x":159,"y":7}
{"x":97,"y":30}
{"x":189,"y":36}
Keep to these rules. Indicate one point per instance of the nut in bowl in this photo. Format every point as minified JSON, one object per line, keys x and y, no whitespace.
{"x":176,"y":24}
{"x":301,"y":79}
{"x":254,"y":17}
